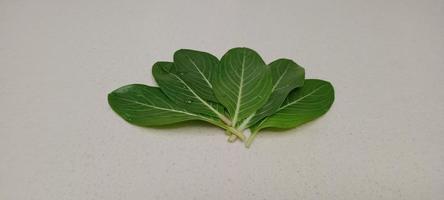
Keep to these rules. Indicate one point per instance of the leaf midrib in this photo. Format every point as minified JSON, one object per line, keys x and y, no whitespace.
{"x":160,"y":108}
{"x":241,"y":83}
{"x":200,"y":99}
{"x":200,"y":72}
{"x":279,"y":80}
{"x":300,"y":99}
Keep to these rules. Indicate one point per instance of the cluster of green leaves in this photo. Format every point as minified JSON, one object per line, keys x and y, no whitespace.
{"x":236,"y":93}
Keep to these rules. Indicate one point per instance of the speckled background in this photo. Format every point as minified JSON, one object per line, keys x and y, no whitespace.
{"x":382,"y":139}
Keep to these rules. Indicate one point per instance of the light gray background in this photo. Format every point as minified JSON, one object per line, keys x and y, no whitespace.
{"x":382,"y":139}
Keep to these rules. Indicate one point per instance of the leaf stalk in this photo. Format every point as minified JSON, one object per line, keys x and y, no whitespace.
{"x":250,"y":139}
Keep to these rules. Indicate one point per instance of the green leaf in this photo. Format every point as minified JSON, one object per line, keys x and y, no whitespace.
{"x":302,"y":105}
{"x":197,"y":69}
{"x":240,"y":91}
{"x":286,"y":76}
{"x":148,"y":106}
{"x":243,"y":83}
{"x":183,"y":94}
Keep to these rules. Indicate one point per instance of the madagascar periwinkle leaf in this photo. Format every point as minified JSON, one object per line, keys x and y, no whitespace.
{"x":181,"y":93}
{"x":302,"y":105}
{"x":197,"y":69}
{"x":238,"y":92}
{"x":286,"y":75}
{"x":147,"y":106}
{"x":243,"y":83}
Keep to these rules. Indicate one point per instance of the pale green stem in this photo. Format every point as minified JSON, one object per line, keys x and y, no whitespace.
{"x":232,"y":138}
{"x":241,"y":127}
{"x":227,"y":128}
{"x":236,"y":132}
{"x":244,"y":123}
{"x":250,"y":139}
{"x":225,"y":119}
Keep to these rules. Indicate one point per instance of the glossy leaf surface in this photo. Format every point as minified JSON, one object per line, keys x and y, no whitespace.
{"x":183,"y":94}
{"x":302,"y":105}
{"x":286,"y":75}
{"x":243,"y":83}
{"x":197,"y":69}
{"x":147,"y":106}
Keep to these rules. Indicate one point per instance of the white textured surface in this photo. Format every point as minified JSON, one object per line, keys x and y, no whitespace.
{"x":382,"y":139}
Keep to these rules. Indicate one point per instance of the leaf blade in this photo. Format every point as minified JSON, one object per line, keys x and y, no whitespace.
{"x":147,"y":106}
{"x":197,"y":69}
{"x":243,"y":83}
{"x":181,"y":93}
{"x":302,"y":105}
{"x":144,"y":105}
{"x":286,"y":76}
